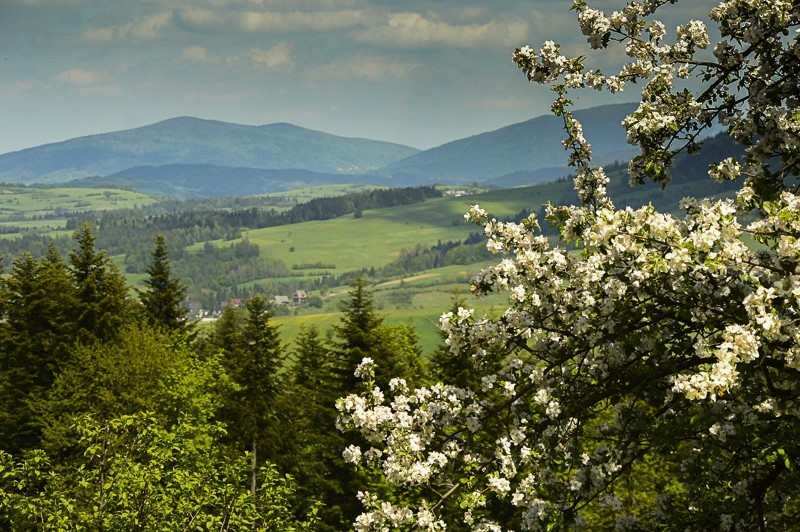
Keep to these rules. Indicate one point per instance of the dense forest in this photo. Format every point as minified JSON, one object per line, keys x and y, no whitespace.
{"x":116,"y":412}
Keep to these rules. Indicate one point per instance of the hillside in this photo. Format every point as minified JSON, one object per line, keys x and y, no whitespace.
{"x":195,"y":141}
{"x":530,"y":146}
{"x":194,"y":181}
{"x":193,"y":158}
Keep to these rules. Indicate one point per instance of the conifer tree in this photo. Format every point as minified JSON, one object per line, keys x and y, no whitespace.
{"x":163,"y":299}
{"x":356,"y":335}
{"x":37,"y":298}
{"x":253,"y":358}
{"x":102,"y":305}
{"x":311,"y":450}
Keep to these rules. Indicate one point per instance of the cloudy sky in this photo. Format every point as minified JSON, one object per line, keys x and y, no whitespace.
{"x":420,"y":73}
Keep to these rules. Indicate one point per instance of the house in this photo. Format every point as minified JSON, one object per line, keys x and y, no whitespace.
{"x":233,"y":303}
{"x":299,"y":297}
{"x":281,"y":301}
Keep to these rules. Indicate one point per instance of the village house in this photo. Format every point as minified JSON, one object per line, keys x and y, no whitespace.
{"x":300,"y":297}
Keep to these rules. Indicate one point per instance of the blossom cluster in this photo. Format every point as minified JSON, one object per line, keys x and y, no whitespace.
{"x":643,"y":339}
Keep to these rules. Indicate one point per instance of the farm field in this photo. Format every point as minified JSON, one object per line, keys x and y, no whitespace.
{"x":43,"y":209}
{"x":377,"y":237}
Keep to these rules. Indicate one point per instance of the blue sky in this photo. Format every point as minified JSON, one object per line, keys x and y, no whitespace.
{"x":413,"y":72}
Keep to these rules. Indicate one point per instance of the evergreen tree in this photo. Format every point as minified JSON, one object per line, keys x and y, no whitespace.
{"x":362,"y":334}
{"x":102,"y":305}
{"x":356,"y":335}
{"x":397,"y":348}
{"x":253,"y":358}
{"x":163,"y":298}
{"x":311,"y":450}
{"x":37,"y":299}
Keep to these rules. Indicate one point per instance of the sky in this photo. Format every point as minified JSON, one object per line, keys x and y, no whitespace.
{"x":419,"y":73}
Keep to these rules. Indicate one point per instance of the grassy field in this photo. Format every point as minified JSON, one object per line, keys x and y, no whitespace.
{"x":418,"y":300}
{"x":375,"y":239}
{"x":344,"y":244}
{"x":378,"y":236}
{"x":41,"y":209}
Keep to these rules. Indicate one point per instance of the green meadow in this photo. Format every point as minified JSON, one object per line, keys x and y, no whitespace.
{"x":377,"y":236}
{"x":42,"y":209}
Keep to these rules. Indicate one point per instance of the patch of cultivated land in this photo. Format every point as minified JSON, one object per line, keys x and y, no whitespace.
{"x":44,"y":209}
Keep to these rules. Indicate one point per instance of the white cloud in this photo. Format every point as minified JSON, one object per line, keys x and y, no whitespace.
{"x":145,"y":28}
{"x":370,"y":67}
{"x":198,"y":54}
{"x":19,"y":87}
{"x":273,"y":21}
{"x":83,"y":76}
{"x":90,"y":82}
{"x":412,"y":30}
{"x":279,"y":57}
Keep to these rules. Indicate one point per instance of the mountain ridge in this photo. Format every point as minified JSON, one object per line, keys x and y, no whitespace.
{"x":195,"y":157}
{"x":198,"y":141}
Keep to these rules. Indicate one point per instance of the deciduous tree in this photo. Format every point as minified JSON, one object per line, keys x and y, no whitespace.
{"x":663,"y":344}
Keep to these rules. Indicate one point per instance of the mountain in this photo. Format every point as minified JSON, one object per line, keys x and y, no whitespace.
{"x":194,"y":158}
{"x":530,"y":146}
{"x":195,"y":141}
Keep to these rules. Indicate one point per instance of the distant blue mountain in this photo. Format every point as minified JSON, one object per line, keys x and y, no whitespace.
{"x":532,"y":147}
{"x":190,"y":157}
{"x":195,"y":141}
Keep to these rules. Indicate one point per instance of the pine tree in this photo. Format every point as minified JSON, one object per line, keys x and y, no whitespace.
{"x":102,"y":306}
{"x":311,"y":447}
{"x":356,"y":335}
{"x":253,"y":358}
{"x":163,"y":299}
{"x":37,"y":301}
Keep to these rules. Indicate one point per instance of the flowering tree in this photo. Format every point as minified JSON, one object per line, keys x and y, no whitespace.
{"x":651,"y":377}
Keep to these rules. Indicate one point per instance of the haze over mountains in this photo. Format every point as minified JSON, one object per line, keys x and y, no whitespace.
{"x":190,"y":157}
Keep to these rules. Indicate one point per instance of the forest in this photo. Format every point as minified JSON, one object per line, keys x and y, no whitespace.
{"x":116,"y":412}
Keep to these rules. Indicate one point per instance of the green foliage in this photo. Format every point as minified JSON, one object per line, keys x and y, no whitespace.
{"x":311,"y":444}
{"x":137,"y":474}
{"x":252,"y":356}
{"x":142,"y":369}
{"x":38,"y":302}
{"x":356,"y":334}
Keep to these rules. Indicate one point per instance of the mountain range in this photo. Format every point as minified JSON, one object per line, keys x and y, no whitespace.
{"x":191,"y":157}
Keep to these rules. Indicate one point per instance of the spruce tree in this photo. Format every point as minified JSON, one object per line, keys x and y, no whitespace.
{"x":37,"y":301}
{"x":311,"y":446}
{"x":356,"y":335}
{"x":253,"y":358}
{"x":102,"y":306}
{"x":163,"y":298}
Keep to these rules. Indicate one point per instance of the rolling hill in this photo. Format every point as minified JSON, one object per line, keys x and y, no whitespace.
{"x":195,"y":181}
{"x":198,"y":142}
{"x":532,"y":147}
{"x":193,"y":158}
